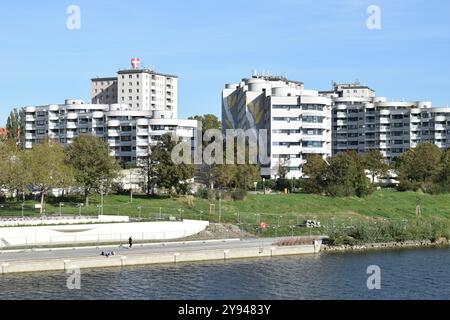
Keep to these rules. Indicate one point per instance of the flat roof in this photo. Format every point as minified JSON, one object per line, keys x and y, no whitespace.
{"x":134,"y":71}
{"x":104,"y":79}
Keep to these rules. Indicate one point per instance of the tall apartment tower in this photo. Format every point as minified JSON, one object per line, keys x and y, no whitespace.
{"x":298,"y":121}
{"x":140,"y":88}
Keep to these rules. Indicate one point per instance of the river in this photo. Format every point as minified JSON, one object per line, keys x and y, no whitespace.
{"x":405,"y":274}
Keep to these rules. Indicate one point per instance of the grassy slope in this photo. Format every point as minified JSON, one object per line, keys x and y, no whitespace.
{"x":386,"y":203}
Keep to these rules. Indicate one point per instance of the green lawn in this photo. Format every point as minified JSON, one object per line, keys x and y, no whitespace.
{"x":282,"y":212}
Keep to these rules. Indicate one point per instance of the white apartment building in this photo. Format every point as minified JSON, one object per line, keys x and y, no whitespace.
{"x":140,"y":89}
{"x":361,"y":121}
{"x":298,"y":121}
{"x":130,"y":112}
{"x":129,"y":133}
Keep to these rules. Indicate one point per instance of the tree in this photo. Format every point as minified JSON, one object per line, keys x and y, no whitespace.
{"x":347,"y":176}
{"x":315,"y":171}
{"x":343,"y":175}
{"x":14,"y":173}
{"x":418,"y":167}
{"x":442,"y":178}
{"x":247,"y":175}
{"x":92,"y":165}
{"x":167,"y":174}
{"x":224,"y":175}
{"x":374,"y":162}
{"x":282,"y":169}
{"x":207,"y":122}
{"x":15,"y":126}
{"x":146,"y":167}
{"x":47,"y":167}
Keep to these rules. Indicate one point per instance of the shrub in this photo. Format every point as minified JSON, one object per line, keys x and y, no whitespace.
{"x":239,"y":195}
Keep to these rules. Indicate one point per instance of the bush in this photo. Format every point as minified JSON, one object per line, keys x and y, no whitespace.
{"x":239,"y":195}
{"x":202,"y":193}
{"x":282,"y":184}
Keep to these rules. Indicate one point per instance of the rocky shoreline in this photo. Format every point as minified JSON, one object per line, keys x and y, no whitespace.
{"x":386,"y":245}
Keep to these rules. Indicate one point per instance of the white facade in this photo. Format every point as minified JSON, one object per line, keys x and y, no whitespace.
{"x":298,"y":121}
{"x":129,"y":133}
{"x":140,"y":89}
{"x":130,"y":112}
{"x":361,"y":121}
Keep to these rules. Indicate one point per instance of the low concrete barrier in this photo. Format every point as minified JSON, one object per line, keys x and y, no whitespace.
{"x":155,"y":258}
{"x":56,"y":220}
{"x":98,"y":233}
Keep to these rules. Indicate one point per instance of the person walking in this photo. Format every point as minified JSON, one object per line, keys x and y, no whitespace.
{"x":130,"y":241}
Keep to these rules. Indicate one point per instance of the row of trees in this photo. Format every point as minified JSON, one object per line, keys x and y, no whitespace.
{"x":85,"y":164}
{"x":343,"y":174}
{"x":425,"y":167}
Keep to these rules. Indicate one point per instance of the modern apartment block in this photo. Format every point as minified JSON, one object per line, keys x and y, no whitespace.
{"x":349,"y":117}
{"x":298,"y":121}
{"x":130,"y":128}
{"x":140,"y":89}
{"x":129,"y":133}
{"x":361,"y":121}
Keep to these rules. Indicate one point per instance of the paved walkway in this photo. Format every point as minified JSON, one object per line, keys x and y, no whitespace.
{"x":66,"y":253}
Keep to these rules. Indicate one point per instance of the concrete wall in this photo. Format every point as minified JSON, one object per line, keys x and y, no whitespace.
{"x":96,"y":233}
{"x":35,"y":221}
{"x":157,"y":258}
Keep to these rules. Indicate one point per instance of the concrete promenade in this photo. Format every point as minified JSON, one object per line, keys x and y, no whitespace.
{"x":141,"y":254}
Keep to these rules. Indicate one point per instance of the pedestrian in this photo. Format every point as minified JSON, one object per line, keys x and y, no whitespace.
{"x":130,"y":241}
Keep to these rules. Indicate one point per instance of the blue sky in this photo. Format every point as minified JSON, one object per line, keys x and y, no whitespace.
{"x":208,"y":43}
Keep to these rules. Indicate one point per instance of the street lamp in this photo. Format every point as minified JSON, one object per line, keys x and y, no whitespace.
{"x":220,"y":205}
{"x":101,"y":196}
{"x":255,"y":184}
{"x":264,"y":187}
{"x":60,"y":210}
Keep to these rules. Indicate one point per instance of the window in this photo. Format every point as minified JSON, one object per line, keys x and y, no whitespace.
{"x":313,"y":119}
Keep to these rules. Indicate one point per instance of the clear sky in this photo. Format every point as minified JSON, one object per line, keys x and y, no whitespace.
{"x":208,"y":43}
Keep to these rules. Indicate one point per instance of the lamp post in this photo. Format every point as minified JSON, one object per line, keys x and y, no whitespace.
{"x":79,"y":209}
{"x":131,"y":189}
{"x":255,"y":184}
{"x":101,"y":197}
{"x":220,"y":206}
{"x":60,"y":210}
{"x":264,"y":186}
